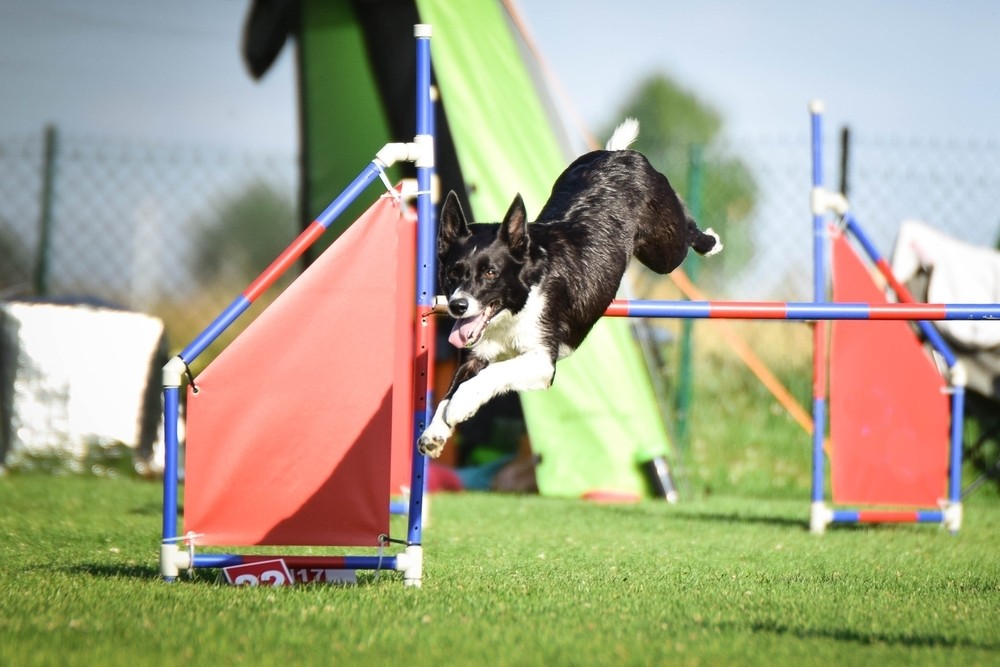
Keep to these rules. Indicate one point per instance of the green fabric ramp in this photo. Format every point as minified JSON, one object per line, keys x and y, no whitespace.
{"x":342,"y":120}
{"x":600,"y":417}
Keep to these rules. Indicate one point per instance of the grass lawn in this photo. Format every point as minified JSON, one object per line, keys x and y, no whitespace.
{"x":510,"y":581}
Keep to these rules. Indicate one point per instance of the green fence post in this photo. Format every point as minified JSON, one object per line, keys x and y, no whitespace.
{"x":685,"y":382}
{"x":45,"y":221}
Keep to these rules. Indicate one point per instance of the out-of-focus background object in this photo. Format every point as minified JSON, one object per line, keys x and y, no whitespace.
{"x":79,"y":388}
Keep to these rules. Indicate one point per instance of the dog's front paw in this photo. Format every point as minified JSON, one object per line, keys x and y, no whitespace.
{"x":431,"y":445}
{"x":431,"y":441}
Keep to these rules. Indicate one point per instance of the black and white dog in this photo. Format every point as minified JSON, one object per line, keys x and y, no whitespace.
{"x":526,"y":295}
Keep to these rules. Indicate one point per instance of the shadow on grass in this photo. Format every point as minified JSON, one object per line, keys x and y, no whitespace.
{"x":106,"y":571}
{"x":151,"y":509}
{"x":874,"y":638}
{"x":209,"y":576}
{"x":735,"y":518}
{"x":694,"y":515}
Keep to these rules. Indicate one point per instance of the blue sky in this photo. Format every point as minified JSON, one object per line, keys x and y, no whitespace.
{"x":166,"y":71}
{"x":171,"y":71}
{"x":917,"y":67}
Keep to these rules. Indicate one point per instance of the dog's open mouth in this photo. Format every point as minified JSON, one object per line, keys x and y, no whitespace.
{"x":468,"y":330}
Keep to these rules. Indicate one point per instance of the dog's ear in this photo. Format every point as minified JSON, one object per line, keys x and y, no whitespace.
{"x":514,"y":230}
{"x":453,"y":223}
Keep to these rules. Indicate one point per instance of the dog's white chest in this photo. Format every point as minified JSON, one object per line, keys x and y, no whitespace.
{"x":513,"y":335}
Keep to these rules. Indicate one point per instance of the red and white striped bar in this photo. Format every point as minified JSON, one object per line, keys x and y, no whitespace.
{"x":804,"y":311}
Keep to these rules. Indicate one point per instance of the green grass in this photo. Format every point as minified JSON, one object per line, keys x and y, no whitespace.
{"x":509,"y":581}
{"x":747,"y":443}
{"x":729,"y":576}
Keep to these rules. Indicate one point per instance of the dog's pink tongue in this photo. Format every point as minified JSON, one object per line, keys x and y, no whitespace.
{"x":465,"y":329}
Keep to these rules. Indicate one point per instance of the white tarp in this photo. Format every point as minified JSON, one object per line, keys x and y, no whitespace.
{"x":958,"y":273}
{"x":75,"y":381}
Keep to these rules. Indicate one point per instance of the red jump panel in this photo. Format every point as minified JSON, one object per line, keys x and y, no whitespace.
{"x":888,"y":409}
{"x":290,"y":429}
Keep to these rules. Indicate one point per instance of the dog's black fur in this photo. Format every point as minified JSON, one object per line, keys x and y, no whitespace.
{"x":526,"y":295}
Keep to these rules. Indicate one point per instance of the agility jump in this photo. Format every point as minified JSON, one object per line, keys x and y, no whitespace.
{"x":824,"y":203}
{"x":322,"y":521}
{"x":264,"y":414}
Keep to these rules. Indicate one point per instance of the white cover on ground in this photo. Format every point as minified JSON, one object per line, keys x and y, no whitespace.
{"x":959,"y":273}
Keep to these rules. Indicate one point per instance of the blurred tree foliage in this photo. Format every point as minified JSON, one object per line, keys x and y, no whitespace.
{"x":246,"y":234}
{"x":680,"y":133}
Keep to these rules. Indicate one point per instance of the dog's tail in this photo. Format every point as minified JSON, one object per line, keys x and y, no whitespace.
{"x":705,"y":243}
{"x":623,"y":135}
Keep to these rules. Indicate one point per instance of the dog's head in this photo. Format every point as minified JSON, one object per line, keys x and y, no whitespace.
{"x":482,"y":268}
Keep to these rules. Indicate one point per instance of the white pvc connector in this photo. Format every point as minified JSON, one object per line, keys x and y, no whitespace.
{"x":822,"y":201}
{"x":168,"y":561}
{"x":440,"y":304}
{"x":410,"y":189}
{"x":173,"y":372}
{"x":419,"y":151}
{"x":820,"y":516}
{"x":425,"y":150}
{"x":173,"y":559}
{"x":957,"y":375}
{"x":952,"y":516}
{"x":817,"y":107}
{"x":411,"y":564}
{"x":422,"y":30}
{"x":397,"y":152}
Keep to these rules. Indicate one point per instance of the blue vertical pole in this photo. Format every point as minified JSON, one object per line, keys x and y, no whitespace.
{"x":955,"y":465}
{"x":819,"y":295}
{"x":425,"y":266}
{"x":425,"y":172}
{"x":171,"y":417}
{"x":171,"y":397}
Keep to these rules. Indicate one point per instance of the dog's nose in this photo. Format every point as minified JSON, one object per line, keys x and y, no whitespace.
{"x":458,"y":306}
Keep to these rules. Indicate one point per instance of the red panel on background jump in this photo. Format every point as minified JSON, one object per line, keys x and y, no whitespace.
{"x":289,"y":433}
{"x":888,"y":412}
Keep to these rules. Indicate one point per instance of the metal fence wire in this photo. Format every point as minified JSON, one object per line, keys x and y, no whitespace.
{"x":173,"y":231}
{"x":178,"y":231}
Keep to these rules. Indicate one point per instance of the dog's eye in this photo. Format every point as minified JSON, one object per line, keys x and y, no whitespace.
{"x":490,"y":274}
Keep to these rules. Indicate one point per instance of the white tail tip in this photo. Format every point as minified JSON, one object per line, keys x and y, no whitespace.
{"x":624,"y":135}
{"x":717,"y":248}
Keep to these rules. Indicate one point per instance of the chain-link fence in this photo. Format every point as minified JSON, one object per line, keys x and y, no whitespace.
{"x":179,"y":231}
{"x":169,"y":230}
{"x":950,"y":185}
